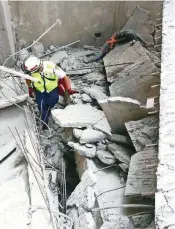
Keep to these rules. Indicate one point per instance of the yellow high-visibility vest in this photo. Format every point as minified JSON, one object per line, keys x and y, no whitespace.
{"x":48,"y":81}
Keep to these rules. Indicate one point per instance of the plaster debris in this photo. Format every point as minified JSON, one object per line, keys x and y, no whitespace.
{"x":120,"y":222}
{"x":139,"y":24}
{"x":142,"y":221}
{"x":86,"y":98}
{"x":38,"y":49}
{"x":119,"y":110}
{"x":77,"y":133}
{"x":121,"y":153}
{"x":94,"y":77}
{"x":85,"y":221}
{"x":142,"y":179}
{"x":106,"y":157}
{"x":142,"y":133}
{"x":96,"y":92}
{"x":59,"y":56}
{"x":83,"y":150}
{"x":92,"y":136}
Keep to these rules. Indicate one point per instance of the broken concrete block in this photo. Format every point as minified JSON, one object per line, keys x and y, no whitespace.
{"x":119,"y":109}
{"x":23,"y":55}
{"x":106,"y":157}
{"x":142,"y":173}
{"x":94,"y":77}
{"x":96,"y":92}
{"x":121,"y":153}
{"x":83,"y":150}
{"x":76,"y":116}
{"x":86,"y":98}
{"x":142,"y":221}
{"x":119,"y":222}
{"x":120,"y":139}
{"x":38,"y":49}
{"x":92,"y":136}
{"x":59,"y":56}
{"x":142,"y":132}
{"x":85,"y":221}
{"x":83,"y":195}
{"x":77,"y":133}
{"x":132,"y":80}
{"x":139,"y":24}
{"x":81,"y":53}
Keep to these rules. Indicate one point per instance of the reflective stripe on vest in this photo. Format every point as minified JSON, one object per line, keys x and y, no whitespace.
{"x":48,"y":81}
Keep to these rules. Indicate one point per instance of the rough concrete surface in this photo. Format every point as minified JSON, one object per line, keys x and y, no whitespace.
{"x":142,"y":132}
{"x":106,"y":157}
{"x":138,"y":23}
{"x":121,"y":153}
{"x":91,"y":136}
{"x":131,"y":80}
{"x":165,"y":196}
{"x":96,"y":92}
{"x":120,"y":139}
{"x":142,"y":179}
{"x":83,"y":150}
{"x":119,"y":110}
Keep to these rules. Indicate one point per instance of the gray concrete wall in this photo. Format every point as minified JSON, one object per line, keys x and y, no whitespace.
{"x":81,"y":20}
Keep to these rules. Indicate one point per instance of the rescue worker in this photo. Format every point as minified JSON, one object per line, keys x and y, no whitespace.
{"x":117,"y":38}
{"x":46,"y":90}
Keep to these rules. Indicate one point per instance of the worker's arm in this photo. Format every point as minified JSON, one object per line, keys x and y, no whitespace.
{"x":65,"y":79}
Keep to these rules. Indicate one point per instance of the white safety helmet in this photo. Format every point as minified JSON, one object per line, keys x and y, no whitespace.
{"x":32,"y":64}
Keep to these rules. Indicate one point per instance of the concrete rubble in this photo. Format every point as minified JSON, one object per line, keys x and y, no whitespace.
{"x":119,"y":110}
{"x":143,"y":132}
{"x":132,"y":80}
{"x":96,"y":152}
{"x":139,"y":23}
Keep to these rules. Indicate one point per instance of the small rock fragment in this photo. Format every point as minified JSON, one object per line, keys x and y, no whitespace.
{"x":86,"y":98}
{"x":106,"y":157}
{"x":77,"y":133}
{"x":83,"y":150}
{"x":38,"y":49}
{"x":124,"y":167}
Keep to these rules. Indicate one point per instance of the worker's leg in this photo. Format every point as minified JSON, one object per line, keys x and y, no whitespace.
{"x":41,"y":100}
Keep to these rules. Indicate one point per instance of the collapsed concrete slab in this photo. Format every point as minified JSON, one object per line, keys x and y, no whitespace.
{"x":142,"y":173}
{"x":94,"y":77}
{"x":96,"y":92}
{"x":139,"y":24}
{"x":11,"y":101}
{"x":133,"y":80}
{"x":142,"y":221}
{"x":59,"y":56}
{"x":76,"y":116}
{"x":83,"y":150}
{"x":77,"y":133}
{"x":119,"y":110}
{"x":86,"y":98}
{"x":92,"y":136}
{"x":120,"y":139}
{"x":121,"y":153}
{"x":143,"y":132}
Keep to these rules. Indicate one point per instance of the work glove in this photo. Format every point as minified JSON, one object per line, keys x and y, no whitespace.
{"x":71,"y":91}
{"x":31,"y":92}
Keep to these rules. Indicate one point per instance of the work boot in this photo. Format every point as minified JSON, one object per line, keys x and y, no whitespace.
{"x":45,"y":127}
